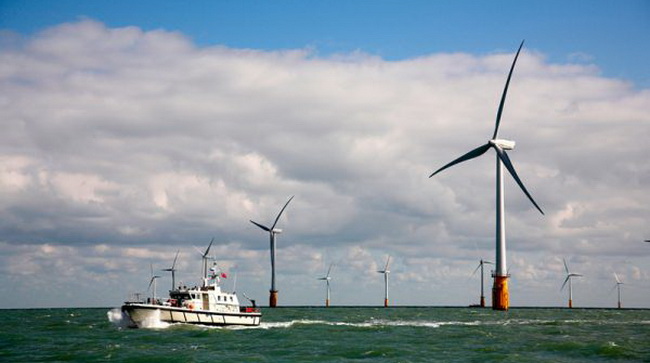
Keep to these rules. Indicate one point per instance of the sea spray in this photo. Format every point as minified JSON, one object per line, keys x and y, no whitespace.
{"x":153,"y":321}
{"x":118,"y":318}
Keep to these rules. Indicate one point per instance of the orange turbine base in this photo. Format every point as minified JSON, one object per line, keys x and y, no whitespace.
{"x":273,"y":299}
{"x":500,"y":297}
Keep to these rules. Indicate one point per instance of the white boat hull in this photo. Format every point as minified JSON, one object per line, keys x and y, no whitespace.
{"x":144,"y":314}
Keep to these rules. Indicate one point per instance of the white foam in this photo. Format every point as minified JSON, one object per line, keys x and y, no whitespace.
{"x":153,"y":322}
{"x":365,"y":324}
{"x":118,"y":318}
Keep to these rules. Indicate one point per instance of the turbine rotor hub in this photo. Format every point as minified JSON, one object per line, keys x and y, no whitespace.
{"x":503,"y":144}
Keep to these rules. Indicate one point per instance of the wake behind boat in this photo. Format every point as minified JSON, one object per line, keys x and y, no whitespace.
{"x":206,"y":305}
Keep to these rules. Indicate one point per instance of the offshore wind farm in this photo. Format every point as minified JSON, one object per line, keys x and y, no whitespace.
{"x":135,"y":131}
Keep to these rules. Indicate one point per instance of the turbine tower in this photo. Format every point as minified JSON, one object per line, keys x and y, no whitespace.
{"x":480,"y":265}
{"x":385,"y":271}
{"x":153,"y":282}
{"x":569,"y":275}
{"x":618,"y":287}
{"x":500,"y":298}
{"x":273,"y":298}
{"x":327,"y":279}
{"x":173,"y":270}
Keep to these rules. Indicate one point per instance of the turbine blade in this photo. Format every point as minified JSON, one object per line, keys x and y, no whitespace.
{"x":208,"y":249}
{"x":261,"y":226}
{"x":282,"y":210}
{"x":470,"y":155}
{"x":329,"y":269}
{"x":387,"y":263}
{"x":617,"y":279}
{"x":565,"y":281}
{"x":488,"y":262}
{"x":175,"y":258}
{"x":566,"y":268}
{"x":151,"y":282}
{"x":506,"y":161}
{"x":477,"y":267}
{"x":505,"y":91}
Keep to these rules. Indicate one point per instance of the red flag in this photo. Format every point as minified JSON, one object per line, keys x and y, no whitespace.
{"x":224,"y":275}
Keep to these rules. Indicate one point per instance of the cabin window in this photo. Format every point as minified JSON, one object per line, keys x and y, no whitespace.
{"x":219,"y":297}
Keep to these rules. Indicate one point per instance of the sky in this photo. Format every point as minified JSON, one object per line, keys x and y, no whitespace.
{"x":132,"y":131}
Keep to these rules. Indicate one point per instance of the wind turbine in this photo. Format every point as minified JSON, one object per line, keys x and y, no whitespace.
{"x":500,"y":298}
{"x":327,"y":279}
{"x":205,"y":256}
{"x":273,"y":297}
{"x":385,"y":271}
{"x":618,"y":286}
{"x":153,"y":282}
{"x":480,"y":265}
{"x":569,"y":275}
{"x":173,"y":270}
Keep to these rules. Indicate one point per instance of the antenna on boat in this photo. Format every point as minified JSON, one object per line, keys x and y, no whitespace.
{"x":273,"y":298}
{"x":251,"y":300}
{"x":173,"y":270}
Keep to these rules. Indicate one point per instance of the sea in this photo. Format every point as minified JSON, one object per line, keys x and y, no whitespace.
{"x":335,"y":334}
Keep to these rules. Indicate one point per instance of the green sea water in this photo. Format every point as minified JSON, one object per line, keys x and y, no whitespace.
{"x":350,"y":334}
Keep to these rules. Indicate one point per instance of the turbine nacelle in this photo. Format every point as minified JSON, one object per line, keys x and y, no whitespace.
{"x":276,"y":230}
{"x":503,"y":144}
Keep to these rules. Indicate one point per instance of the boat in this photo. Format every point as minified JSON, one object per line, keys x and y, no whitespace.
{"x":207,"y":304}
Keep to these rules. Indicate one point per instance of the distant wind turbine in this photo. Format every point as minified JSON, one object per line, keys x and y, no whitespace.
{"x":327,"y":279}
{"x":385,"y":271}
{"x":500,"y":297}
{"x":205,"y":256}
{"x":480,"y":265}
{"x":569,"y":275}
{"x":273,"y":298}
{"x":618,"y":287}
{"x":173,"y":270}
{"x":153,"y":282}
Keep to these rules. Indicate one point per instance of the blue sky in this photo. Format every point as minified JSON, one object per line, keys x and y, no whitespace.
{"x":133,"y":129}
{"x":614,"y":35}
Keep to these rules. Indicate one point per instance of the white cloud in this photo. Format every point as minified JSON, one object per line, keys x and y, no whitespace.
{"x":121,"y":146}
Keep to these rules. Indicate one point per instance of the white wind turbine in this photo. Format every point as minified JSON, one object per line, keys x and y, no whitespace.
{"x":500,"y":297}
{"x":153,"y":282}
{"x":327,"y":280}
{"x":569,"y":275}
{"x":273,"y":298}
{"x":385,"y":271}
{"x":205,"y":257}
{"x":480,"y":265}
{"x":618,"y":287}
{"x":173,"y":270}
